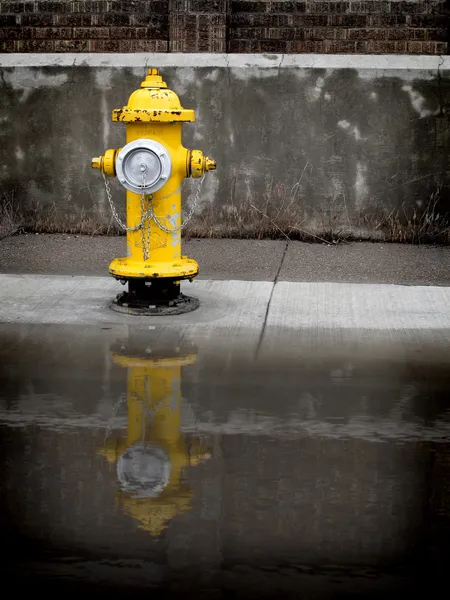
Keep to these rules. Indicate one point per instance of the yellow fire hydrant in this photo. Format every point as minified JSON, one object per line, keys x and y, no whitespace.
{"x":152,"y":167}
{"x":151,"y":456}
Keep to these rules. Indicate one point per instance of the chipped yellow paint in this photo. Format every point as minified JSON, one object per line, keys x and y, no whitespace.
{"x":153,"y":102}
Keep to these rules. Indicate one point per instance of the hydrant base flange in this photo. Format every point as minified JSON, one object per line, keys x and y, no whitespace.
{"x":181,"y":268}
{"x":183,"y":305}
{"x":157,"y":297}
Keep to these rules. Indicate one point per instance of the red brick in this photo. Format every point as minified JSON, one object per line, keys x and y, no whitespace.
{"x":149,"y":46}
{"x":305,"y":46}
{"x":9,"y":46}
{"x":12,"y":8}
{"x":320,"y":33}
{"x":37,"y":46}
{"x":362,"y":47}
{"x":52,"y":33}
{"x":400,"y":47}
{"x":53,"y":7}
{"x":367,"y":34}
{"x":257,"y":7}
{"x":114,"y":19}
{"x":417,"y":34}
{"x":127,"y":33}
{"x":310,"y":20}
{"x":8,"y":20}
{"x":239,"y":46}
{"x":348,"y":20}
{"x":441,"y":48}
{"x":410,"y":8}
{"x":72,"y":45}
{"x":15,"y":33}
{"x":340,"y":46}
{"x":371,"y":7}
{"x":377,"y":26}
{"x":428,"y":20}
{"x":156,"y":21}
{"x":207,"y":6}
{"x":38,"y":20}
{"x":72,"y":20}
{"x":90,"y":33}
{"x":385,"y":20}
{"x":383,"y":47}
{"x":288,"y":7}
{"x":400,"y":33}
{"x":95,"y":6}
{"x":276,"y":46}
{"x":327,"y":8}
{"x":414,"y":47}
{"x":437,"y":35}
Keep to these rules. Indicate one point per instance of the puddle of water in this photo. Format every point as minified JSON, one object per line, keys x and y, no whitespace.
{"x":140,"y":458}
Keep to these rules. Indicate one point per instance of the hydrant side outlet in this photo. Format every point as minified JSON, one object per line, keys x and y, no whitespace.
{"x":152,"y":166}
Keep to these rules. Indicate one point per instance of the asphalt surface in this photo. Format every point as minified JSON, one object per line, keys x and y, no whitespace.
{"x":250,"y":260}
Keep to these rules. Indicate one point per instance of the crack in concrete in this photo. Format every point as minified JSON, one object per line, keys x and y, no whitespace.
{"x":280,"y":65}
{"x":439,"y":77}
{"x":146,"y":66}
{"x":71,"y":77}
{"x":227,"y":60}
{"x":275,"y":281}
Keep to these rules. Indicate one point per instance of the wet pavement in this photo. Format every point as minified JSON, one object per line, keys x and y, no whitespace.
{"x":154,"y":460}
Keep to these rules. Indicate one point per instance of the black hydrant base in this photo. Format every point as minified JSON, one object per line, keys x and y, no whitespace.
{"x":180,"y":305}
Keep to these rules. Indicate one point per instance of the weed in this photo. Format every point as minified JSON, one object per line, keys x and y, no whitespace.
{"x":279,"y":213}
{"x":11,"y":218}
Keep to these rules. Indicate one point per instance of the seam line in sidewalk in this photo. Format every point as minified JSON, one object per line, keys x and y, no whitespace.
{"x":275,"y":281}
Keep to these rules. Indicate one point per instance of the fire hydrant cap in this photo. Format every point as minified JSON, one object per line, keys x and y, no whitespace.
{"x":153,"y":102}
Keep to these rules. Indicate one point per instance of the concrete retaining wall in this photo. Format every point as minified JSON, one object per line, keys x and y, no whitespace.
{"x":312,"y":144}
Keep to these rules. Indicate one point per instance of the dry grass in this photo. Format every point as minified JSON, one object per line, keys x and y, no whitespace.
{"x":278,"y":214}
{"x":77,"y":221}
{"x":38,"y":219}
{"x":404,"y":225}
{"x":11,"y":219}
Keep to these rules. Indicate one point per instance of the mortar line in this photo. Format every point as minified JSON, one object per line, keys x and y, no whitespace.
{"x":275,"y":281}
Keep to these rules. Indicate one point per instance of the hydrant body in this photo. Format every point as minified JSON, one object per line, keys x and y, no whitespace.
{"x":152,"y":167}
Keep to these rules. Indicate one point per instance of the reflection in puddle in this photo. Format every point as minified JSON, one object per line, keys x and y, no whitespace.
{"x":134,"y":457}
{"x":151,"y":456}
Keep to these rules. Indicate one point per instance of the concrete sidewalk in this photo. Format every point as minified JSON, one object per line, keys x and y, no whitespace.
{"x":258,"y":297}
{"x":251,"y":317}
{"x":247,"y":260}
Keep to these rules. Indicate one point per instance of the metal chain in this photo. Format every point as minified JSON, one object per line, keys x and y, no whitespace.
{"x":148,"y":214}
{"x":145,"y":214}
{"x":187,"y":219}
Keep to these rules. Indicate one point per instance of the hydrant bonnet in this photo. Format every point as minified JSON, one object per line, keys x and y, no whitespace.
{"x":153,"y":102}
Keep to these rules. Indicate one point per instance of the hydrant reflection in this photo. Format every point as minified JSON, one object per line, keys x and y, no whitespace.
{"x":151,"y":457}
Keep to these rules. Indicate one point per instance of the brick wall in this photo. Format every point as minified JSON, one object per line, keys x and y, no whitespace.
{"x":373,"y":26}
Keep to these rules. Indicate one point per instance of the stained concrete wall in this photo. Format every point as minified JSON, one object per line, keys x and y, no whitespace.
{"x":315,"y":142}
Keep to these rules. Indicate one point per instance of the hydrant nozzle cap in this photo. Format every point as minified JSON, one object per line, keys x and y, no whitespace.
{"x":153,"y":79}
